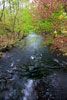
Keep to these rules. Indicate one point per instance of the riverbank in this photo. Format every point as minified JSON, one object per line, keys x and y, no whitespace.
{"x":57,"y":43}
{"x":9,"y":41}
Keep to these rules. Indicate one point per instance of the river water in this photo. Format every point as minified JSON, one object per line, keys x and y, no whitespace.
{"x":30,"y":71}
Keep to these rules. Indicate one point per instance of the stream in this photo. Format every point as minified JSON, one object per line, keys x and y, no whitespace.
{"x":30,"y":71}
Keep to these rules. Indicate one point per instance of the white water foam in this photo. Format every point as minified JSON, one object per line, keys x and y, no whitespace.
{"x":28,"y":89}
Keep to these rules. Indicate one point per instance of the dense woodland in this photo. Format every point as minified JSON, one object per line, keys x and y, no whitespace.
{"x":33,"y":49}
{"x":46,"y":17}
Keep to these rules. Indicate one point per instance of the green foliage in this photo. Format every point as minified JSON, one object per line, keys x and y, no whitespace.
{"x":49,"y":41}
{"x":4,"y":29}
{"x":27,"y":22}
{"x":44,"y":26}
{"x":56,"y":15}
{"x":59,"y":23}
{"x":16,"y":18}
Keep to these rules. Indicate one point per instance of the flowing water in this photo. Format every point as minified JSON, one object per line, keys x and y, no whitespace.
{"x":31,"y":72}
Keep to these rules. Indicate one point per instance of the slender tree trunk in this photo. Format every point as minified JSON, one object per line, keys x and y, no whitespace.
{"x":3,"y":2}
